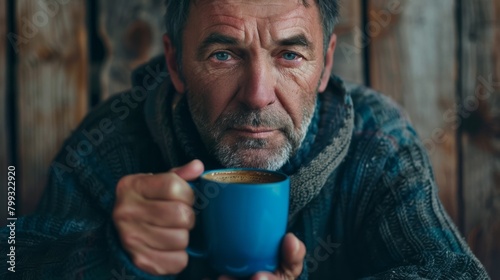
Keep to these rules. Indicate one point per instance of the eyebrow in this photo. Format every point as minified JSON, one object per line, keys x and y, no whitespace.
{"x":221,"y":39}
{"x":214,"y":39}
{"x":297,"y":40}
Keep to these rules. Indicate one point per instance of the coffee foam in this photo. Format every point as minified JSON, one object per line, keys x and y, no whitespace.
{"x":243,"y":177}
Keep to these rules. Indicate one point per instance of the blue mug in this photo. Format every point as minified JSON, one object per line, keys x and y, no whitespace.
{"x":243,"y":214}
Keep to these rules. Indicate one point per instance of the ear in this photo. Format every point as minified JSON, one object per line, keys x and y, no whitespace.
{"x":328,"y":63}
{"x":172,"y":65}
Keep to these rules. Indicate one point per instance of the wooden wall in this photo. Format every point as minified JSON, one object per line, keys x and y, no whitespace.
{"x":480,"y":127}
{"x":351,"y":44}
{"x":131,"y":33}
{"x":52,"y":85}
{"x":439,"y":59}
{"x":412,"y":59}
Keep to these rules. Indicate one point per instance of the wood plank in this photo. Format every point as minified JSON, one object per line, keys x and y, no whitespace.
{"x":3,"y":120}
{"x":480,"y":109}
{"x":350,"y":44}
{"x":52,"y":85}
{"x":412,"y":59}
{"x":132,"y":34}
{"x":144,"y":25}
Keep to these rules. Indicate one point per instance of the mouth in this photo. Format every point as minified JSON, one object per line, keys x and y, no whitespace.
{"x":254,"y":132}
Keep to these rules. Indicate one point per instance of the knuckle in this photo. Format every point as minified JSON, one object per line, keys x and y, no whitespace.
{"x":129,"y":240}
{"x":126,"y":185}
{"x":169,"y":178}
{"x":117,"y":214}
{"x":183,"y":238}
{"x":297,"y":270}
{"x":177,"y":189}
{"x":185,"y":215}
{"x":180,"y":263}
{"x":175,"y":186}
{"x":121,"y":213}
{"x":124,"y":182}
{"x":190,"y":196}
{"x":143,"y":263}
{"x":147,"y":265}
{"x":174,"y":239}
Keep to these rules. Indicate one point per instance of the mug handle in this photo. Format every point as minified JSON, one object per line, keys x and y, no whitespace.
{"x":194,"y":252}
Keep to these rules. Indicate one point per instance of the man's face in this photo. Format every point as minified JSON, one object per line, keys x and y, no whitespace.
{"x":252,"y":70}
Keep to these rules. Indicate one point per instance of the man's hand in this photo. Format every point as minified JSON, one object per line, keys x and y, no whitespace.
{"x":293,"y":252}
{"x":153,"y":215}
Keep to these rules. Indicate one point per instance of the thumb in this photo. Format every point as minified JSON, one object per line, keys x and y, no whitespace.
{"x":293,"y":252}
{"x":190,"y":171}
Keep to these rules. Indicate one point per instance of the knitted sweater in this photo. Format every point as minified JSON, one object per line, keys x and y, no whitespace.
{"x":363,"y":197}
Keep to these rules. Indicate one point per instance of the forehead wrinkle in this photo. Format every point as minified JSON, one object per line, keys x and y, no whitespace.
{"x":224,"y":21}
{"x":259,"y":9}
{"x":296,"y":31}
{"x":246,"y":2}
{"x":224,"y":25}
{"x":228,"y":17}
{"x":275,"y":30}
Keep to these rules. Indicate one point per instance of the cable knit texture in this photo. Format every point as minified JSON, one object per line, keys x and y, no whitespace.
{"x":363,"y":197}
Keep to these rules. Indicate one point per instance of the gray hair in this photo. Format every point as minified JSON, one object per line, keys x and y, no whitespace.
{"x":178,"y":10}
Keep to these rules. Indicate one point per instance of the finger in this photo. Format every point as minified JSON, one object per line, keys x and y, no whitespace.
{"x":170,"y":214}
{"x":190,"y":171}
{"x":155,"y":238}
{"x":293,"y":252}
{"x":164,"y":186}
{"x":265,"y":276}
{"x":160,"y":263}
{"x":164,"y":239}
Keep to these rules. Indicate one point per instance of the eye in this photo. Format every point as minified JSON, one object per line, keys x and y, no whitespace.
{"x":290,"y":56}
{"x":222,"y":56}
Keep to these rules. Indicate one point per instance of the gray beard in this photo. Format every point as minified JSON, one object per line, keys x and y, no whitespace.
{"x":228,"y":156}
{"x":235,"y":156}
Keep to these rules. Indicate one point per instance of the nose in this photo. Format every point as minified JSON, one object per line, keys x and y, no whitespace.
{"x":258,"y":90}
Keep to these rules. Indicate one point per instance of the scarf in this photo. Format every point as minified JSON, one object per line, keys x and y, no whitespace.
{"x":322,"y":150}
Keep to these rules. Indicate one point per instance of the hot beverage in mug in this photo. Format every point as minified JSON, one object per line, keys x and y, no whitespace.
{"x":243,"y":220}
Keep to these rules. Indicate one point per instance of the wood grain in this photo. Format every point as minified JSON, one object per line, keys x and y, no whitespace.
{"x":52,"y":83}
{"x":480,"y":111}
{"x":412,"y":59}
{"x":350,"y":44}
{"x":132,"y":33}
{"x":3,"y":120}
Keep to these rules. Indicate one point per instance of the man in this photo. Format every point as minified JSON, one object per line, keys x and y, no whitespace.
{"x":249,"y":85}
